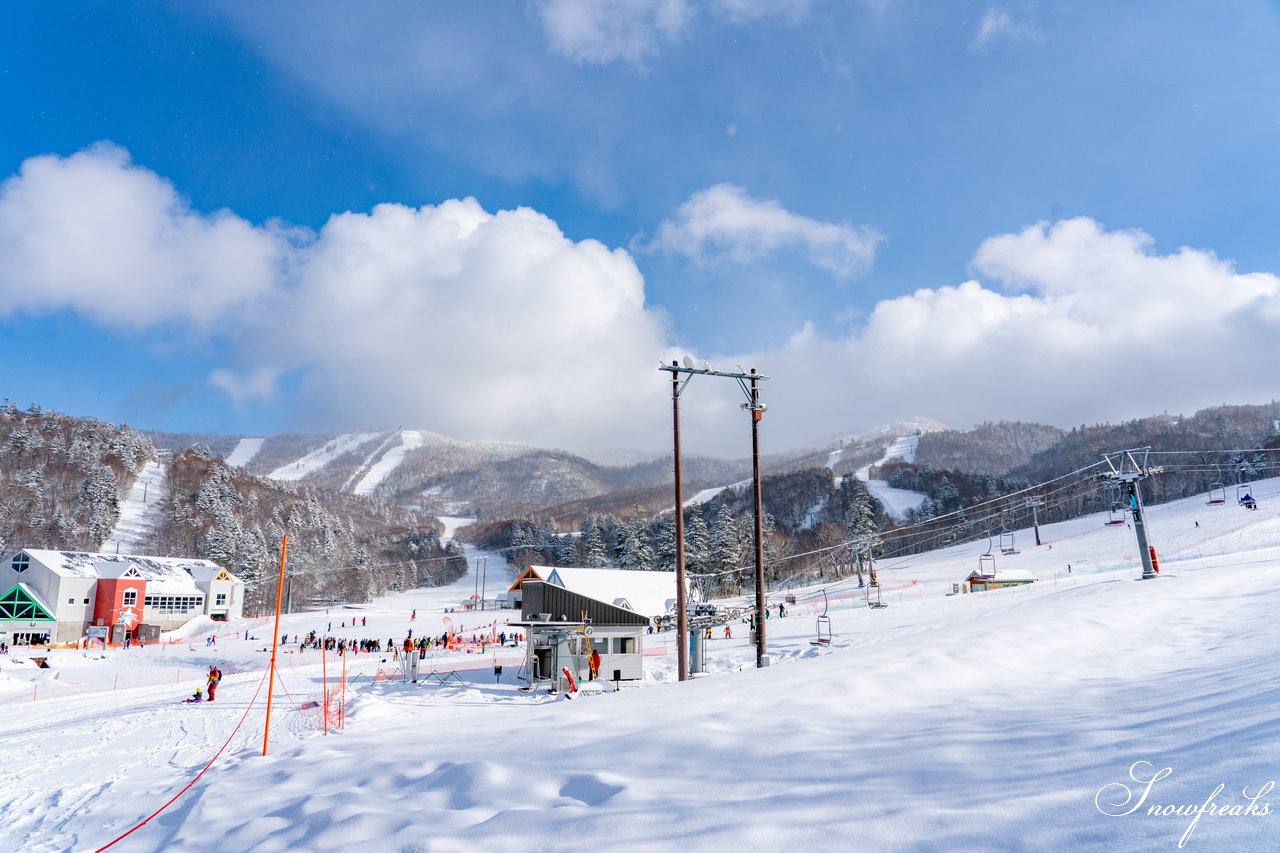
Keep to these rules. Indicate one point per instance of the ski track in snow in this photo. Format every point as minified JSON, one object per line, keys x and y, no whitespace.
{"x":245,"y":451}
{"x":138,"y":511}
{"x":378,"y":471}
{"x":317,"y":459}
{"x":986,"y":721}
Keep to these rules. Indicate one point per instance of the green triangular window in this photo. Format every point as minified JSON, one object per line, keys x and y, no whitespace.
{"x":18,"y":604}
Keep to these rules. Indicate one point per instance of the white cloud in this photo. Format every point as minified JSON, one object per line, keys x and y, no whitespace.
{"x":95,"y":233}
{"x":1091,"y":325}
{"x":483,"y":325}
{"x":257,"y":384}
{"x":496,"y":325}
{"x":602,"y":31}
{"x":634,"y":31}
{"x":476,"y":324}
{"x":724,"y":222}
{"x":999,"y":25}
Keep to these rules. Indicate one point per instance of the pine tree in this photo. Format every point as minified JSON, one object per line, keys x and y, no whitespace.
{"x":593,"y":542}
{"x":697,"y":548}
{"x":725,"y":552}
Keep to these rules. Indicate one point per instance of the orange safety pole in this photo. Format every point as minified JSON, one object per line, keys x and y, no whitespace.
{"x":275,"y":643}
{"x":342,"y":716}
{"x":324,"y":685}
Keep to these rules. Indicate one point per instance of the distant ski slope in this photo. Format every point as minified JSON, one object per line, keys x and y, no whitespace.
{"x":138,"y":511}
{"x":409,"y":439}
{"x":317,"y":459}
{"x":896,"y":501}
{"x":245,"y":451}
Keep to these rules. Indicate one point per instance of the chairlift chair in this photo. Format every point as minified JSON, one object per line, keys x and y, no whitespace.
{"x":1244,"y":496}
{"x":987,"y":566}
{"x":824,"y":624}
{"x":1115,"y":509}
{"x":1217,"y":494}
{"x":875,"y":582}
{"x":1006,"y":543}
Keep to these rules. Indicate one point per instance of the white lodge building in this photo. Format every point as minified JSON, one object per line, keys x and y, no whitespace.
{"x":58,"y":596}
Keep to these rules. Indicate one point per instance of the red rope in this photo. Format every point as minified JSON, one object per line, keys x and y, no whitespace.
{"x":198,"y":775}
{"x":292,"y":701}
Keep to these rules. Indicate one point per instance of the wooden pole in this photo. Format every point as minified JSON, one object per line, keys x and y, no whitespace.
{"x":682,"y":618}
{"x":756,"y":413}
{"x":275,"y":644}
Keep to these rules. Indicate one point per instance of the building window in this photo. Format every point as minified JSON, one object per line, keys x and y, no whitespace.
{"x":173,"y":603}
{"x":624,"y":645}
{"x":130,"y":598}
{"x":86,"y":601}
{"x":71,"y":601}
{"x":220,"y":599}
{"x":20,"y":563}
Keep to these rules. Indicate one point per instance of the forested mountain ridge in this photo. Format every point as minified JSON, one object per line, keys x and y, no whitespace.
{"x":60,"y":478}
{"x":63,"y":480}
{"x":342,"y":547}
{"x":446,"y":476}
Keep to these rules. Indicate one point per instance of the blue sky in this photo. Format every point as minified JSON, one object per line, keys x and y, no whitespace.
{"x":965,"y":211}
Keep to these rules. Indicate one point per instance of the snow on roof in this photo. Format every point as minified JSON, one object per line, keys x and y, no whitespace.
{"x":175,"y":572}
{"x":1006,"y":575}
{"x":647,"y":593}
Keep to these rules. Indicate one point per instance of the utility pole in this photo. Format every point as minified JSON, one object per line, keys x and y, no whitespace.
{"x":756,"y":408}
{"x":1127,"y":471}
{"x":1035,"y":517}
{"x":749,"y":383}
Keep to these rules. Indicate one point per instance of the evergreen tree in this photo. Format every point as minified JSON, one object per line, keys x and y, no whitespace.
{"x":697,"y":538}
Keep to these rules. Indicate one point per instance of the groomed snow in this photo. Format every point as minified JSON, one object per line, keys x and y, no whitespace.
{"x":896,"y":501}
{"x":379,"y":470}
{"x":138,"y":511}
{"x":246,"y":449}
{"x":996,"y":721}
{"x":317,"y":459}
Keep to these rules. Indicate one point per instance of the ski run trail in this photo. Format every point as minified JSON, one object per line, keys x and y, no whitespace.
{"x":387,"y":462}
{"x":1089,"y":711}
{"x":317,"y":459}
{"x":245,"y":450}
{"x":896,"y":501}
{"x":138,"y":510}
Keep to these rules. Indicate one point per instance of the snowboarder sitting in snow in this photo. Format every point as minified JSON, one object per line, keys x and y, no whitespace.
{"x":198,"y":696}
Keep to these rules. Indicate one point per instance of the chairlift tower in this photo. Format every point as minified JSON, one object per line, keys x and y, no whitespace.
{"x":1034,"y":504}
{"x":1126,"y":472}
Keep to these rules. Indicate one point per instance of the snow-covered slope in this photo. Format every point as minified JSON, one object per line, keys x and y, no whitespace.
{"x":317,"y":459}
{"x":138,"y":511}
{"x":1004,"y":721}
{"x":386,"y":463}
{"x":896,"y":501}
{"x":245,"y":450}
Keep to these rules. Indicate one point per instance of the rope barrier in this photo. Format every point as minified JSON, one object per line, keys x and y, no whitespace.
{"x":173,"y":799}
